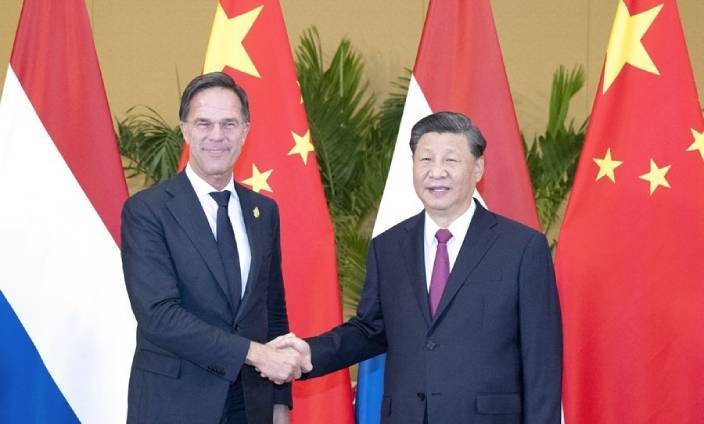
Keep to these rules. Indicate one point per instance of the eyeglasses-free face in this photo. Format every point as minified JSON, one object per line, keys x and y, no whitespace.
{"x":215,"y":131}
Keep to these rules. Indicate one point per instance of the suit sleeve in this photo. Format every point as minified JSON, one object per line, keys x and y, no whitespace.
{"x":541,"y":335}
{"x":361,"y":337}
{"x":276,"y":305}
{"x":152,"y":288}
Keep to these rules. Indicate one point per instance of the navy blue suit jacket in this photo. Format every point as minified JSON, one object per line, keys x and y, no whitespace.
{"x":493,"y":351}
{"x":190,"y":345}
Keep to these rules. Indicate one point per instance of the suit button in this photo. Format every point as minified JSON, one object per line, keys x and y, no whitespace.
{"x":431,"y":345}
{"x":421,"y":396}
{"x":237,"y":327}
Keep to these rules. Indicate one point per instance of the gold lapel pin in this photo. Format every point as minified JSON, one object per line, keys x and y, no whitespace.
{"x":255,"y":212}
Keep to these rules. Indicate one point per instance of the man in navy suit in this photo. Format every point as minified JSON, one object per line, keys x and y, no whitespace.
{"x":462,"y":300}
{"x":202,"y":264}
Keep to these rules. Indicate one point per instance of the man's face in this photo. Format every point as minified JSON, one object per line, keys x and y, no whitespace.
{"x":445,"y":173}
{"x":215,"y":130}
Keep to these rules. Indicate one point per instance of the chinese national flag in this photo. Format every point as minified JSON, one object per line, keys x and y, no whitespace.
{"x":249,"y":41}
{"x":630,"y":268}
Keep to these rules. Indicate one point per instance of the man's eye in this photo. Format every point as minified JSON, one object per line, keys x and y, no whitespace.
{"x":229,"y":126}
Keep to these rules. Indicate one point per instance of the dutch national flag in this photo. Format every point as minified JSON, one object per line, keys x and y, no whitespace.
{"x":458,"y":68}
{"x":66,"y":329}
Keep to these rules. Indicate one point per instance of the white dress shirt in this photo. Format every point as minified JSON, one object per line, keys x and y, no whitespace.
{"x":234,"y":211}
{"x":458,"y":228}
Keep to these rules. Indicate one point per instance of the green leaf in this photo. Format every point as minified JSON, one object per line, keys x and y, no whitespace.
{"x":552,"y":158}
{"x":352,"y":147}
{"x":152,"y":146}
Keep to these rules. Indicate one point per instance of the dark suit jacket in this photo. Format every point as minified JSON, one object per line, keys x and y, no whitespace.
{"x":493,"y":351}
{"x":190,"y":346}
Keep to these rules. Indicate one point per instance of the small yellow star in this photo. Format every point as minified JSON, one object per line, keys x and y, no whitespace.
{"x":656,"y":176}
{"x":607,"y":166}
{"x":698,"y":142}
{"x":255,"y":212}
{"x":625,"y":45}
{"x":303,"y":146}
{"x":225,"y":46}
{"x":258,"y":180}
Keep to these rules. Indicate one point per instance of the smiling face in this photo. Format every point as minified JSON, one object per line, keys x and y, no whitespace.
{"x":215,"y":130}
{"x":445,"y":173}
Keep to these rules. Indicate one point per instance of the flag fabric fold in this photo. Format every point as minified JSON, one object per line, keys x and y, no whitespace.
{"x":458,"y":68}
{"x":629,"y":268}
{"x":249,"y":41}
{"x":67,"y":328}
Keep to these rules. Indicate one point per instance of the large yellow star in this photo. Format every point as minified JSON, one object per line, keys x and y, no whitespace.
{"x":303,"y":146}
{"x":607,"y":166}
{"x":698,"y":142}
{"x":225,"y":46}
{"x":656,"y":176}
{"x":258,"y":180}
{"x":625,"y":45}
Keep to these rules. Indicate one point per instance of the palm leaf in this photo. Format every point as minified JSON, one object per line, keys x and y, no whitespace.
{"x":552,"y":158}
{"x":352,"y":150}
{"x":150,"y":144}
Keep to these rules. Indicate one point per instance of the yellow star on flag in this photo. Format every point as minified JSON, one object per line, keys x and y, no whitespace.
{"x":258,"y":180}
{"x":607,"y":166}
{"x":656,"y":176}
{"x":303,"y":146}
{"x":225,"y":46}
{"x":625,"y":45}
{"x":698,"y":142}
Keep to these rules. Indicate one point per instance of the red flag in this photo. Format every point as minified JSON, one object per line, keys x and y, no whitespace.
{"x":459,"y":68}
{"x":67,"y":332}
{"x":629,"y":260}
{"x":249,"y":41}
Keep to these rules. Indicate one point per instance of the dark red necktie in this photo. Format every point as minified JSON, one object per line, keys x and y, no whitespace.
{"x":441,"y":269}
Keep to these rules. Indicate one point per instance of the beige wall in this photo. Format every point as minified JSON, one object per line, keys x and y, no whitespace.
{"x":147,"y":47}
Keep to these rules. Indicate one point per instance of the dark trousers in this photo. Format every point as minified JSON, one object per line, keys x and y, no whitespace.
{"x":234,"y":412}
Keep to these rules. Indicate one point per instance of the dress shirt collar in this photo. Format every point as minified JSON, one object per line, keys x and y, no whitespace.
{"x":203,"y":188}
{"x":458,"y":227}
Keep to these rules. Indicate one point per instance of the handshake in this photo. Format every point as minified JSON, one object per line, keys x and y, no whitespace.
{"x":281,"y":360}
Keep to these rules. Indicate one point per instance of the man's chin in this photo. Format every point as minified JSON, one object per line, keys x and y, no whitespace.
{"x":220,"y":171}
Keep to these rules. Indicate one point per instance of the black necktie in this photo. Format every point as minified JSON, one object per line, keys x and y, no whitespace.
{"x":228,"y":248}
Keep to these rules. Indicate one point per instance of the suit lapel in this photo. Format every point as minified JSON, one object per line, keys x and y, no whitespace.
{"x":413,"y":250}
{"x":251,"y":222}
{"x":480,"y":237}
{"x":187,"y":210}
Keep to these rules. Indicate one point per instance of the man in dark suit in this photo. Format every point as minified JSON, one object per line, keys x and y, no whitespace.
{"x":462,"y":300}
{"x":202,"y":264}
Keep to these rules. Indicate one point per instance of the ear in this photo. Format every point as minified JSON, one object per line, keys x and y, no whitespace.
{"x":182,"y":125}
{"x":478,"y":171}
{"x":245,"y":132}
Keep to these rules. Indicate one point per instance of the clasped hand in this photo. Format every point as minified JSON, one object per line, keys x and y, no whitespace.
{"x":282,"y":359}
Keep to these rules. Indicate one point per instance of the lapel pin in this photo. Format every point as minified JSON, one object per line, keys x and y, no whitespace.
{"x":255,"y":212}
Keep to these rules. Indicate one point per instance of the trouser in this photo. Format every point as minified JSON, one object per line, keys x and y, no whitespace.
{"x":234,"y":412}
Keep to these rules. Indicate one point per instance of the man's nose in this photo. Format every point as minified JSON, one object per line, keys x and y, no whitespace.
{"x":217,"y":133}
{"x":437,"y":170}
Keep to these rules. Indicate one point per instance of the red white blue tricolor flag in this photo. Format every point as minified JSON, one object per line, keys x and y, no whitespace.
{"x":66,"y":329}
{"x":458,"y":68}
